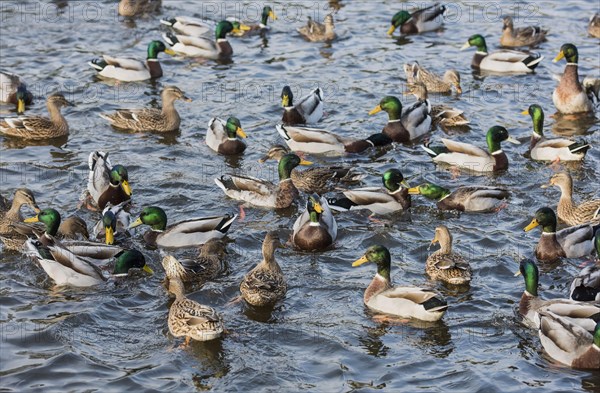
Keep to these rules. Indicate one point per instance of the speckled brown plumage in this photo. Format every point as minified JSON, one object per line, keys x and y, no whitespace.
{"x":446,"y":265}
{"x":37,"y":127}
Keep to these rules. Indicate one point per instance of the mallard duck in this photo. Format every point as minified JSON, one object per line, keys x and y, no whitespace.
{"x":262,"y":26}
{"x":444,"y":264}
{"x":521,"y":36}
{"x":568,"y":212}
{"x":138,"y":7}
{"x":317,"y":32}
{"x":219,"y":49}
{"x":14,"y":91}
{"x":150,"y":119}
{"x":393,"y":197}
{"x":594,"y":25}
{"x":190,"y":26}
{"x":115,"y":221}
{"x":501,"y":61}
{"x":572,"y":242}
{"x":10,"y":212}
{"x":318,"y":179}
{"x":67,"y":268}
{"x":586,"y":286}
{"x":261,"y":192}
{"x":107,"y":183}
{"x":204,"y":267}
{"x":404,"y":302}
{"x":531,"y":305}
{"x":37,"y":127}
{"x":73,"y":228}
{"x":188,"y":233}
{"x":569,"y":96}
{"x":416,"y":117}
{"x":221,"y":136}
{"x":316,"y":228}
{"x":569,"y":343}
{"x":446,"y":117}
{"x":403,"y":126}
{"x":556,"y":149}
{"x":434,"y":83}
{"x":467,"y":199}
{"x":132,"y":70}
{"x":473,"y":158}
{"x":420,"y":21}
{"x":308,"y":110}
{"x":319,"y":141}
{"x":592,"y":89}
{"x":265,"y":284}
{"x":190,"y":319}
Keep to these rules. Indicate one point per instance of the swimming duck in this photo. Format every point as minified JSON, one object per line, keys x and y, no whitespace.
{"x":319,"y":141}
{"x":115,"y":221}
{"x":571,"y":214}
{"x":556,"y":149}
{"x":594,"y":25}
{"x":265,"y":284}
{"x":73,"y":228}
{"x":190,"y":319}
{"x":317,"y":32}
{"x":150,"y":119}
{"x":14,"y":91}
{"x":569,"y":96}
{"x":221,"y":136}
{"x":189,"y":233}
{"x":190,"y":26}
{"x":261,"y":192}
{"x":318,"y":179}
{"x":404,"y":302}
{"x":586,"y":286}
{"x":467,"y":199}
{"x":219,"y":49}
{"x":308,"y":110}
{"x":10,"y":212}
{"x":444,"y":264}
{"x":420,"y":21}
{"x":132,"y":70}
{"x":447,"y":117}
{"x":572,"y":242}
{"x":501,"y":61}
{"x":138,"y":7}
{"x":403,"y":126}
{"x":260,"y":28}
{"x":107,"y":183}
{"x":473,"y":158}
{"x":204,"y":267}
{"x":316,"y":228}
{"x":416,"y":117}
{"x":592,"y":89}
{"x":393,"y":197}
{"x":37,"y":127}
{"x":530,"y":305}
{"x":521,"y":36}
{"x":434,"y":83}
{"x":569,"y":343}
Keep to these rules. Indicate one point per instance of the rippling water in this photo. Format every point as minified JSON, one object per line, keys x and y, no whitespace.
{"x":320,"y":338}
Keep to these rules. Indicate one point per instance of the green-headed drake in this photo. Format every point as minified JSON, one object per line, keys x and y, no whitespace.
{"x":569,"y":343}
{"x":307,"y":110}
{"x":14,"y":91}
{"x":466,"y":199}
{"x":586,"y":286}
{"x":315,"y":229}
{"x":223,"y":136}
{"x":500,"y":61}
{"x":107,"y":183}
{"x":570,"y":96}
{"x":419,"y":21}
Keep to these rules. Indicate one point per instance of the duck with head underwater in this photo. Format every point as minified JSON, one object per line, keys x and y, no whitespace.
{"x":391,"y":198}
{"x":316,"y":228}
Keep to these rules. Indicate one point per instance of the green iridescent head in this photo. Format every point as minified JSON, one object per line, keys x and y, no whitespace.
{"x":393,"y":180}
{"x":496,"y":135}
{"x":398,"y":20}
{"x":286,"y":164}
{"x":313,"y":205}
{"x":234,"y":128}
{"x":545,"y":218}
{"x":477,"y":41}
{"x":391,"y":105}
{"x":118,"y":175}
{"x":569,"y":52}
{"x":50,"y":218}
{"x":597,"y":335}
{"x":287,"y":97}
{"x":380,"y":256}
{"x":130,"y":259}
{"x":430,"y":191}
{"x":530,"y":273}
{"x":155,"y":47}
{"x":153,"y":216}
{"x":266,"y":13}
{"x":225,"y":27}
{"x":109,"y":222}
{"x":537,"y":116}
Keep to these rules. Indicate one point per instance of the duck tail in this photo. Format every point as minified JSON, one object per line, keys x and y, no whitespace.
{"x":282,"y":131}
{"x":168,"y":22}
{"x":579,"y":147}
{"x":432,"y":151}
{"x":98,"y":64}
{"x":436,"y":303}
{"x":225,"y":224}
{"x":533,"y":60}
{"x":340,"y":204}
{"x":170,"y":38}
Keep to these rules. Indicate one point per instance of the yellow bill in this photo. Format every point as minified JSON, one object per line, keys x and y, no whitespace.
{"x":170,"y":52}
{"x":534,"y":223}
{"x":375,"y":110}
{"x":305,"y":163}
{"x":525,"y":112}
{"x":240,"y":132}
{"x":110,"y":236}
{"x":391,"y":30}
{"x":360,"y":261}
{"x":458,"y":89}
{"x":272,"y":15}
{"x":414,"y":191}
{"x":125,"y":186}
{"x":558,"y":57}
{"x":20,"y":106}
{"x":245,"y":27}
{"x":285,"y":101}
{"x":465,"y":46}
{"x":136,"y":223}
{"x":318,"y":208}
{"x":32,"y":219}
{"x":147,"y":269}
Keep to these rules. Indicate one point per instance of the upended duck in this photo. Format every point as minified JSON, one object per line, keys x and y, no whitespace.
{"x":189,"y":233}
{"x":570,"y":213}
{"x":316,"y":179}
{"x":315,"y":229}
{"x":37,"y":127}
{"x":572,"y":242}
{"x":222,"y":136}
{"x":308,"y":109}
{"x":420,"y":21}
{"x":107,"y":183}
{"x":501,"y":61}
{"x":555,"y":149}
{"x":261,"y":192}
{"x":132,"y":70}
{"x":467,"y":198}
{"x":405,"y":302}
{"x":150,"y":119}
{"x":466,"y":156}
{"x":392,"y":198}
{"x":319,"y":141}
{"x":570,"y":97}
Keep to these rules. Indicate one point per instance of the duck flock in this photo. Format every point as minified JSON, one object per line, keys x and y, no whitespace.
{"x":568,"y":328}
